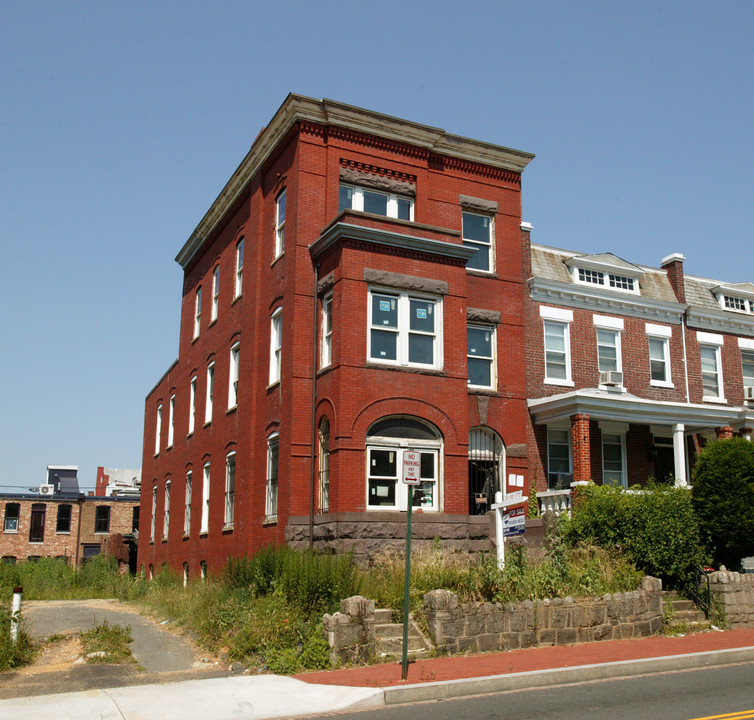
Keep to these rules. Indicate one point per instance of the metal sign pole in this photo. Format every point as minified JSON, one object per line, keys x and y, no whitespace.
{"x":406,"y":585}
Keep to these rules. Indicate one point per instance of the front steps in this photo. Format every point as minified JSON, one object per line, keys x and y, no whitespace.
{"x":389,"y":636}
{"x":682,"y":614}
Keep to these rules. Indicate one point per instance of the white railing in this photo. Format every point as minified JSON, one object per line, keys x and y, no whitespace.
{"x":557,"y":502}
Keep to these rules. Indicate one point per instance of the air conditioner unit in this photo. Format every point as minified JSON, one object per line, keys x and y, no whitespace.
{"x":611,"y":377}
{"x":749,"y":392}
{"x":46,"y":489}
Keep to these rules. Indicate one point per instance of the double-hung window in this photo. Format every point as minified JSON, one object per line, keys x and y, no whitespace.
{"x":209,"y":400}
{"x":230,"y":488}
{"x":613,"y":459}
{"x":197,"y":312}
{"x":559,"y":472}
{"x":158,"y":430}
{"x":12,"y":511}
{"x":608,"y":350}
{"x":480,"y":355}
{"x":271,"y":501}
{"x":233,"y":376}
{"x":239,"y":268}
{"x":658,"y":337}
{"x":353,"y":197}
{"x":166,"y":510}
{"x":153,"y":521}
{"x":171,"y":420}
{"x":187,"y":504}
{"x":215,"y":293}
{"x":557,"y":344}
{"x":63,"y":524}
{"x":276,"y":345}
{"x":404,"y":329}
{"x":280,"y":224}
{"x":747,"y":367}
{"x":477,"y":234}
{"x":102,"y":519}
{"x":204,"y":528}
{"x":326,"y":349}
{"x":711,"y":362}
{"x":192,"y":405}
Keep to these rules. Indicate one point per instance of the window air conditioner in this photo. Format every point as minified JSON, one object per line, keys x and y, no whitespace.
{"x":749,"y":392}
{"x":46,"y":489}
{"x":611,"y":377}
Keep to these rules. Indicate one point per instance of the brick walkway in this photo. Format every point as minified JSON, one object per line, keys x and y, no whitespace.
{"x":532,"y":659}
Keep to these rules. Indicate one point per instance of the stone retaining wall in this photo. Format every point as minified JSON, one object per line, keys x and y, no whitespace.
{"x":484,"y":627}
{"x":733,"y":594}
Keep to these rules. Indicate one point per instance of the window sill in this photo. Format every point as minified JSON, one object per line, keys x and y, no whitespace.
{"x":62,"y":532}
{"x":719,"y":400}
{"x":207,"y":423}
{"x":169,"y":447}
{"x":101,"y":532}
{"x":275,"y":260}
{"x":191,"y":434}
{"x":661,"y":383}
{"x":212,"y":322}
{"x":480,"y":390}
{"x":231,"y":410}
{"x":405,"y":368}
{"x":236,"y":298}
{"x":11,"y":532}
{"x":482,"y":273}
{"x":164,"y":540}
{"x":228,"y":528}
{"x":195,"y":338}
{"x":204,"y":533}
{"x":186,"y":536}
{"x":273,"y":384}
{"x":270,"y":520}
{"x":562,"y":383}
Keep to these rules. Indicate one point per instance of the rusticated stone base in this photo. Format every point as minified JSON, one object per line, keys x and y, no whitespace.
{"x":366,"y":534}
{"x":733,"y":595}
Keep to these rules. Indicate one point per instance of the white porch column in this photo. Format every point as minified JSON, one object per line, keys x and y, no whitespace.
{"x":679,"y":455}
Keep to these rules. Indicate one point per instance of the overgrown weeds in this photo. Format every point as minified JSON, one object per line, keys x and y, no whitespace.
{"x":107,"y":643}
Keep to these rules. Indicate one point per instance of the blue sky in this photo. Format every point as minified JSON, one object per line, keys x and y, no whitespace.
{"x":120,"y":123}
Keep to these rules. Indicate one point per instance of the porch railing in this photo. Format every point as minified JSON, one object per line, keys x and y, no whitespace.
{"x":557,"y":502}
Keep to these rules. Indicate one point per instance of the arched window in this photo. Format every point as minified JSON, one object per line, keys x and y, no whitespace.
{"x":388,"y":440}
{"x":486,"y":468}
{"x":324,"y":465}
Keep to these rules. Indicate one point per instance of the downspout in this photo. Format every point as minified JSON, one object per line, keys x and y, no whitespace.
{"x":314,"y":411}
{"x":78,"y":530}
{"x":685,"y":363}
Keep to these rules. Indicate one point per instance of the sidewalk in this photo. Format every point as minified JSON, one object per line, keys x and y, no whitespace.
{"x":268,"y":696}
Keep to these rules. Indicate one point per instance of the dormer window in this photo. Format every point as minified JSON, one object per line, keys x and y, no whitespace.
{"x":606,"y":270}
{"x":731,"y":302}
{"x":738,"y":297}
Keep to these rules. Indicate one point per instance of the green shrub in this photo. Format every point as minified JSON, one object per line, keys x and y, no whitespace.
{"x":655,"y":528}
{"x":723,"y":499}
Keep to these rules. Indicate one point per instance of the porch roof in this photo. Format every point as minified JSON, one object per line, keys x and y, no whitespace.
{"x":625,"y":407}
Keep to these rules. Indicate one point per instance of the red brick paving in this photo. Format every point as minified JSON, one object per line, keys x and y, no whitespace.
{"x":532,"y":659}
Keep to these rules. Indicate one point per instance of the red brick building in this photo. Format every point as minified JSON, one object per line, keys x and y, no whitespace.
{"x":631,"y":369}
{"x":355,"y":292}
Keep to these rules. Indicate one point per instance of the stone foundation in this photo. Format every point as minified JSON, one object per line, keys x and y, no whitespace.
{"x":733,"y":594}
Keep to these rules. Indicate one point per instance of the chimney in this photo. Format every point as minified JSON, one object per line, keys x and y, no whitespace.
{"x":673,"y":266}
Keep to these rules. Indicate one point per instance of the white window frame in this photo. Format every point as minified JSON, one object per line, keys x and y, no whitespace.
{"x":166,"y":511}
{"x":272,"y":485}
{"x":280,"y":203}
{"x":399,"y":446}
{"x":197,"y":313}
{"x":728,"y":301}
{"x":605,"y":279}
{"x":187,"y":503}
{"x":235,"y":351}
{"x":403,"y":331}
{"x":153,"y":520}
{"x":746,"y":346}
{"x":206,"y":472}
{"x":239,"y":268}
{"x":557,"y":317}
{"x":623,"y":480}
{"x":615,"y":335}
{"x":210,"y":394}
{"x":326,"y":341}
{"x":192,"y":405}
{"x":473,"y":243}
{"x":323,"y":434}
{"x":158,"y":429}
{"x":215,"y":293}
{"x":171,"y":420}
{"x":490,"y":359}
{"x":550,"y":442}
{"x":230,"y":488}
{"x":276,"y":345}
{"x":712,"y":343}
{"x":662,"y":334}
{"x":357,"y":200}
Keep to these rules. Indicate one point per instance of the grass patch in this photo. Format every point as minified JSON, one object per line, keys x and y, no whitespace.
{"x":13,"y":655}
{"x":108,"y":644}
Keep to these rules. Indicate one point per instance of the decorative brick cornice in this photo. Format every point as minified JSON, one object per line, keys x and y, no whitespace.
{"x":375,"y":170}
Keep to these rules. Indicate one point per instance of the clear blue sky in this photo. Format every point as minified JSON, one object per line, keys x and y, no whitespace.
{"x":120,"y":123}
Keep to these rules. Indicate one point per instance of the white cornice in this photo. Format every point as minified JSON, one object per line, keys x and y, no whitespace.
{"x":633,"y":409}
{"x":719,"y":321}
{"x":560,"y":293}
{"x":297,"y":108}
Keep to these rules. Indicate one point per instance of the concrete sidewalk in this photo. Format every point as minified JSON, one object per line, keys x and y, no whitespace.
{"x":269,"y":696}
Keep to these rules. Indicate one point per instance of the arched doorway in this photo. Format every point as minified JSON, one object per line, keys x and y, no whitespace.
{"x":486,"y":468}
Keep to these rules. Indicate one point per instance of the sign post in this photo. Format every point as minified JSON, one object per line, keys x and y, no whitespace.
{"x":411,"y":477}
{"x":509,"y":520}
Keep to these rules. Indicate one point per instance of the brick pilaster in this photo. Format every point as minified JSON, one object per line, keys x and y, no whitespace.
{"x":581,"y":447}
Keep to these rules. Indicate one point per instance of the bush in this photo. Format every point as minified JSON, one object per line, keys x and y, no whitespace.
{"x":723,"y":499}
{"x":655,"y":528}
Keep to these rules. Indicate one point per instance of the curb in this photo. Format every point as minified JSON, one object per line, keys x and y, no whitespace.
{"x":448,"y":689}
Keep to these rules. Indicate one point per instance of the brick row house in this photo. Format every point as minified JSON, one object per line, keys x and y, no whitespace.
{"x":363,"y":287}
{"x":631,"y":369}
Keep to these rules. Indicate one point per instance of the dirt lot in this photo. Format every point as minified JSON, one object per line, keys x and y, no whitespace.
{"x":161,"y":651}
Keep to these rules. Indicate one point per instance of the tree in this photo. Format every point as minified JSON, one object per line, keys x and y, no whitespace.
{"x":723,"y":499}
